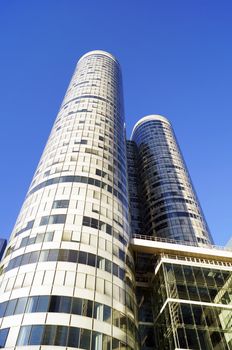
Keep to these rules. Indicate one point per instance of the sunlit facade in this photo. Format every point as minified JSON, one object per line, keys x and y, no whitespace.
{"x":67,"y":278}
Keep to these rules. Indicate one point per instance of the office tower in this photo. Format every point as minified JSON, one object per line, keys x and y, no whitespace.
{"x":171,"y":208}
{"x":2,"y":247}
{"x":67,"y":278}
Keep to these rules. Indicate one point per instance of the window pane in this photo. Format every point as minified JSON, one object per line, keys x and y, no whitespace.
{"x":48,"y":236}
{"x":72,"y":256}
{"x":25,"y":259}
{"x":108,"y":265}
{"x":106,"y":344}
{"x":39,"y":238}
{"x":96,"y":341}
{"x":3,"y":308}
{"x":57,"y":219}
{"x":44,"y":255}
{"x":36,"y":335}
{"x":115,"y":344}
{"x":98,"y":311}
{"x":107,"y":314}
{"x":60,"y":204}
{"x":31,"y":304}
{"x":42,"y":305}
{"x":49,"y":335}
{"x":54,"y":304}
{"x":24,"y":335}
{"x":3,"y":336}
{"x":63,"y":255}
{"x":34,"y":257}
{"x":76,"y":306}
{"x":53,"y":255}
{"x":82,"y":258}
{"x":44,"y":220}
{"x":20,"y":307}
{"x":85,"y":338}
{"x":65,"y":304}
{"x":61,"y":336}
{"x":10,"y":307}
{"x":91,"y":259}
{"x":73,"y":338}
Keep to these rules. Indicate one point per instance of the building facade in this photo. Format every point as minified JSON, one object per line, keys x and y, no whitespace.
{"x":111,"y":250}
{"x":68,"y":259}
{"x":171,"y":208}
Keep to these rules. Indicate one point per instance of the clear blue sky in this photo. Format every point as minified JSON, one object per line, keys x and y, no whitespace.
{"x":176,"y":61}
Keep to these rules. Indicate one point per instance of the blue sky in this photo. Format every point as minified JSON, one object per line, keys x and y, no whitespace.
{"x":176,"y":61}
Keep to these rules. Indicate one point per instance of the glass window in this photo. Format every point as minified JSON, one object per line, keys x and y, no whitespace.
{"x":44,"y":255}
{"x":60,"y":204}
{"x":76,"y":306}
{"x":73,"y":338}
{"x":63,"y":255}
{"x":34,"y":257}
{"x":72,"y":256}
{"x":98,"y":311}
{"x":31,"y":304}
{"x":20,"y":307}
{"x":10,"y":307}
{"x":36,"y":335}
{"x":82,"y":258}
{"x":43,"y":302}
{"x":65,"y":304}
{"x":106,"y":343}
{"x":53,"y":255}
{"x":108,"y":265}
{"x":39,"y":238}
{"x":3,"y":308}
{"x":85,"y":338}
{"x":61,"y":336}
{"x":31,"y":240}
{"x":25,"y":258}
{"x":115,"y":344}
{"x":107,"y":314}
{"x":91,"y":259}
{"x":48,"y":236}
{"x":44,"y":220}
{"x":96,"y":341}
{"x":87,"y":307}
{"x":49,"y":335}
{"x":3,"y":336}
{"x":54,"y":303}
{"x":57,"y":219}
{"x":24,"y":334}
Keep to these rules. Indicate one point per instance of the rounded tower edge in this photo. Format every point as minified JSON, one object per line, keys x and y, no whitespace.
{"x":149,"y":118}
{"x":98,"y":52}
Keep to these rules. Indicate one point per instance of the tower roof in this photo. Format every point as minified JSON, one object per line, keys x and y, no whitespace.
{"x":99,"y":52}
{"x":149,"y":118}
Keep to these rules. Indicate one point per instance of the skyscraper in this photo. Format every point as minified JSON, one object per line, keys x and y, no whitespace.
{"x":68,"y":259}
{"x":171,"y":208}
{"x":91,"y":265}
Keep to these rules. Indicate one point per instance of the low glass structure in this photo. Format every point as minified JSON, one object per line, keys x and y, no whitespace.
{"x":192,"y":308}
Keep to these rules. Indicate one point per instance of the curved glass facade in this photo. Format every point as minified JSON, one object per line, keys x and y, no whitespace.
{"x":171,"y":208}
{"x":68,"y":258}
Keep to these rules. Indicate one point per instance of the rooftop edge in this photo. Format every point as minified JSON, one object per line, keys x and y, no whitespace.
{"x":98,"y":52}
{"x":147,"y":119}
